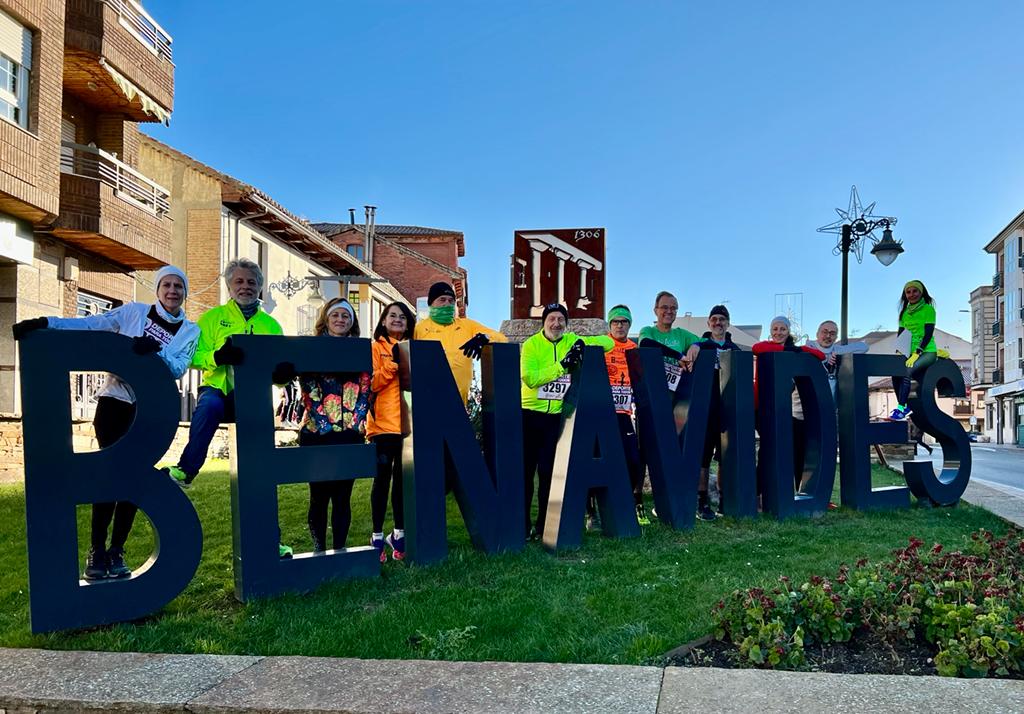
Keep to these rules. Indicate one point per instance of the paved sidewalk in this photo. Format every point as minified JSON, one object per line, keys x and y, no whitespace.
{"x":52,"y":681}
{"x":1004,"y":501}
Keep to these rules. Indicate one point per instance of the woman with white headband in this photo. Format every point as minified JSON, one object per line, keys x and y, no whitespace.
{"x":158,"y":327}
{"x":336,"y":407}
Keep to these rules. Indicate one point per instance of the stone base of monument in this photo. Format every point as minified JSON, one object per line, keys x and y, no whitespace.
{"x":520,"y":330}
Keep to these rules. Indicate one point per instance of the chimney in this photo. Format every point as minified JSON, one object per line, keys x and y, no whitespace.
{"x":352,"y":216}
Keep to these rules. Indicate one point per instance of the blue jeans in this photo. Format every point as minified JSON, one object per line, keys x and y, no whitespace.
{"x":213,"y":408}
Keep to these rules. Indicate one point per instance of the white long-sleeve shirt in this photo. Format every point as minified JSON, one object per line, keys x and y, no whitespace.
{"x":132,"y":320}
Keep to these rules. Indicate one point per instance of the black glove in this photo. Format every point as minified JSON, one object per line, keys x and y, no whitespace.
{"x":228,"y":354}
{"x":474,"y":347}
{"x":20,"y":329}
{"x":574,"y":357}
{"x":665,"y":351}
{"x":284,"y":373}
{"x":145,"y":345}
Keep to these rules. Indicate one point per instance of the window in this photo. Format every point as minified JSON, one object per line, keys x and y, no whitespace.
{"x":15,"y":69}
{"x":258,"y":255}
{"x":355,"y":250}
{"x":92,"y":305}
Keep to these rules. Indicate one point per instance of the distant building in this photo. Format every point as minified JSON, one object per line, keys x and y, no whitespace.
{"x":1004,"y":400}
{"x":412,"y":258}
{"x":983,"y":351}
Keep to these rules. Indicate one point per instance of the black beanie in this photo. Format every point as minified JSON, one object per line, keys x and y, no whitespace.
{"x":439,"y":289}
{"x":555,"y":307}
{"x":719,"y":310}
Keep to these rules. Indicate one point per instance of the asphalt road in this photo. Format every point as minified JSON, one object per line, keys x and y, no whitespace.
{"x":991,"y":464}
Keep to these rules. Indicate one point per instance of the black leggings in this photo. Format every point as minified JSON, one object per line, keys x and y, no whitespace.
{"x":540,"y":439}
{"x":112,"y":420}
{"x":901,"y":385}
{"x":389,"y":476}
{"x":336,"y":494}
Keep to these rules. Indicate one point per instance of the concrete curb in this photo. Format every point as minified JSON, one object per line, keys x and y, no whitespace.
{"x":56,"y":681}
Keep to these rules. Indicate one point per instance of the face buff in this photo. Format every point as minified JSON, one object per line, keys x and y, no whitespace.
{"x":443,"y":315}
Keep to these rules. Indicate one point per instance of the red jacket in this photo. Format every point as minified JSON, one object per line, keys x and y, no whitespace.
{"x":772,"y":346}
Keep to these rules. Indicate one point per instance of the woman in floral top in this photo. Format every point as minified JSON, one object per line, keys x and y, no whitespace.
{"x":336,"y":407}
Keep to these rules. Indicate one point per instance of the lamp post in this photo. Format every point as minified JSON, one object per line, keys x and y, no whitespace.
{"x":855,"y":226}
{"x":290,"y":286}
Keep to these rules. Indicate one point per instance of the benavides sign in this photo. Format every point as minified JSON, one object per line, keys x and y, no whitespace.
{"x":486,"y":481}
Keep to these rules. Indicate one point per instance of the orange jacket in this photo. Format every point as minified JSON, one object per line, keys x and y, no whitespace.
{"x":385,"y":415}
{"x":618,"y":374}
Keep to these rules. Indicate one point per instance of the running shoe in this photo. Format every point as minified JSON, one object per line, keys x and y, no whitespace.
{"x":899,"y":414}
{"x":397,"y":546}
{"x":115,"y":564}
{"x":95,"y":565}
{"x":705,"y":513}
{"x":178,"y":476}
{"x":378,"y":543}
{"x":641,"y":515}
{"x":284,"y":552}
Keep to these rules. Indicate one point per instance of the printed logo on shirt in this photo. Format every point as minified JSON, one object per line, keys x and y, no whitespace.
{"x":157,"y":332}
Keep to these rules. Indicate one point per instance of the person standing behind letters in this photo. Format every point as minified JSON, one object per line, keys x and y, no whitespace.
{"x":336,"y":407}
{"x":160,"y":327}
{"x":384,"y":428}
{"x":545,"y":362}
{"x":461,"y":338}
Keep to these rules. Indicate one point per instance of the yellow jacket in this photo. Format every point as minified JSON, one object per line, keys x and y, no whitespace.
{"x":451,"y":338}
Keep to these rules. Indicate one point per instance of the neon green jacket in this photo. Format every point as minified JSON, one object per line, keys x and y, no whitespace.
{"x":216,"y":325}
{"x":539,"y":364}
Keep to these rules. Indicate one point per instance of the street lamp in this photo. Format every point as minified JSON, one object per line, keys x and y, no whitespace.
{"x":856,"y":224}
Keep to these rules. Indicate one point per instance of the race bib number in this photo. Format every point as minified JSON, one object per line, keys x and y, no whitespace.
{"x":622,"y":398}
{"x":672,"y":374}
{"x":555,"y":389}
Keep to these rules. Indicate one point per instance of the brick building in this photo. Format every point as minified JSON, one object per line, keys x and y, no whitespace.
{"x":77,"y":217}
{"x":412,"y":257}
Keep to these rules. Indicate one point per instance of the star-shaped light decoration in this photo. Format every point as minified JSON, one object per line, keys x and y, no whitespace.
{"x":862,"y":223}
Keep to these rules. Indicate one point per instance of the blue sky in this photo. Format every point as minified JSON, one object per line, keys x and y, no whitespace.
{"x":710,"y":139}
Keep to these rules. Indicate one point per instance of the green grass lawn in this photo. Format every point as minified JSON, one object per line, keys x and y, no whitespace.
{"x":611,"y":601}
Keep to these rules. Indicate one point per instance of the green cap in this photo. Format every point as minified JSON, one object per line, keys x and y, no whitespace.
{"x":620,"y":312}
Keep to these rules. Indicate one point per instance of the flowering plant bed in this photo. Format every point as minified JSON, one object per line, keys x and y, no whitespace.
{"x":921,"y":611}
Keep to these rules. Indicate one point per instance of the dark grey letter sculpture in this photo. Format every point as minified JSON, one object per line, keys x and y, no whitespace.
{"x":945,"y":488}
{"x":589,"y":456}
{"x":776,"y":373}
{"x":258,"y":467}
{"x":57,"y":480}
{"x":857,"y":433}
{"x":737,"y":475}
{"x":488,"y":486}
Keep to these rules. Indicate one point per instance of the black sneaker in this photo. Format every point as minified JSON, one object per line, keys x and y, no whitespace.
{"x":95,"y":565}
{"x":705,"y":513}
{"x":534,"y":534}
{"x":115,"y":564}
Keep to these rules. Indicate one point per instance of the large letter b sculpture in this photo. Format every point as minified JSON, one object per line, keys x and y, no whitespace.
{"x":57,"y":480}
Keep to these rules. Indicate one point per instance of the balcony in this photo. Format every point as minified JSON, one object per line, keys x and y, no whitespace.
{"x":997,"y":376}
{"x":110,"y":209}
{"x":997,"y":281}
{"x":962,"y":409}
{"x":118,"y":59}
{"x":997,"y":328}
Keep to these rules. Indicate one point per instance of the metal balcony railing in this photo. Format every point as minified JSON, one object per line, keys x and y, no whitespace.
{"x":997,"y":281}
{"x":146,"y":30}
{"x":997,"y":328}
{"x":128,"y":184}
{"x":997,"y":376}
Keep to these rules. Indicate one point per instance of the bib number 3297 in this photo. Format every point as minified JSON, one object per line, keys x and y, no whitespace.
{"x":555,"y":389}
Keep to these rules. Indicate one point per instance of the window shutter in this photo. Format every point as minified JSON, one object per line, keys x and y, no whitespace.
{"x":15,"y":40}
